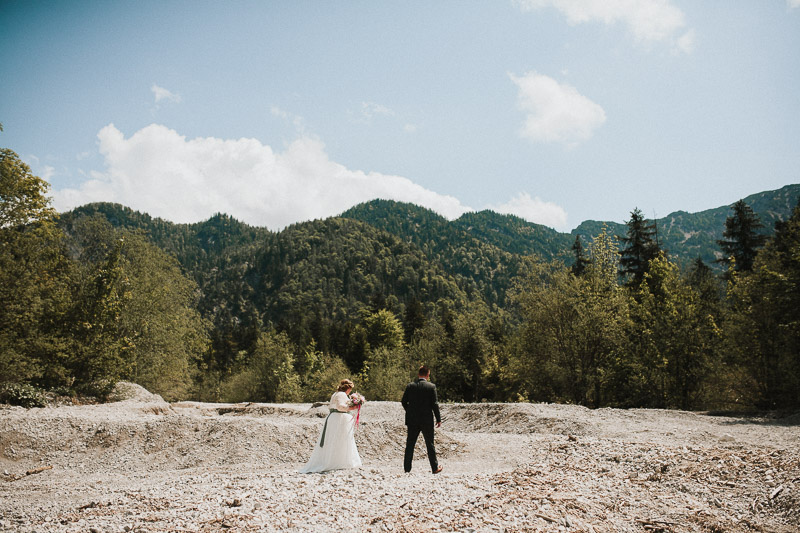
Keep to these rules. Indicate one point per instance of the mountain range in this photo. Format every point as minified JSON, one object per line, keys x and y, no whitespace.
{"x":313,"y":274}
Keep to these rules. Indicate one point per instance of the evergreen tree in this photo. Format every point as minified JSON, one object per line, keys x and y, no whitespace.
{"x":579,"y":266}
{"x":639,"y":248}
{"x":707,"y":285}
{"x":414,"y":318}
{"x":471,"y":349}
{"x":742,"y":238}
{"x":764,"y":328}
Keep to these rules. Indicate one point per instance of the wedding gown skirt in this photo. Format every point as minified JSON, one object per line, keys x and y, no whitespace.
{"x":339,"y":448}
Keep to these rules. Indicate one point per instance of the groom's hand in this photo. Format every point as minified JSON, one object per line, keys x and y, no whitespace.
{"x":438,"y":424}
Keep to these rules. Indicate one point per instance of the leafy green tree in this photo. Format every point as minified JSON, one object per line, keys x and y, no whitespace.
{"x":742,"y":238}
{"x":604,"y":260}
{"x":35,"y":278}
{"x":308,"y":361}
{"x":386,"y":373}
{"x":134,"y":314}
{"x":323,"y":381}
{"x":35,"y":301}
{"x":383,"y":330}
{"x":385,"y":369}
{"x":168,"y":335}
{"x":23,"y":196}
{"x":639,"y":248}
{"x":572,"y":330}
{"x":610,"y":304}
{"x":701,"y":277}
{"x":675,"y":338}
{"x":102,"y":356}
{"x":268,"y":374}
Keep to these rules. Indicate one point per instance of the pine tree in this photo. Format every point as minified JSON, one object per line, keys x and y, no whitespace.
{"x":764,"y":329}
{"x":581,"y":261}
{"x":639,"y":248}
{"x":414,"y":318}
{"x":742,"y":239}
{"x":702,"y":278}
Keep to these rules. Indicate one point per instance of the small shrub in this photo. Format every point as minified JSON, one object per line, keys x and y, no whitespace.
{"x":22,"y":394}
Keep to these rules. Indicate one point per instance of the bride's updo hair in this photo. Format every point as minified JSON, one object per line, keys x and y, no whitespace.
{"x":345,"y":384}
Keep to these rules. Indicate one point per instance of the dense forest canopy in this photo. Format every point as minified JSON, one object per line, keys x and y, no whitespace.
{"x":653,"y":313}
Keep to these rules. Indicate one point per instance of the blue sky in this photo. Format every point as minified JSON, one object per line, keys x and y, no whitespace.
{"x":277,"y":112}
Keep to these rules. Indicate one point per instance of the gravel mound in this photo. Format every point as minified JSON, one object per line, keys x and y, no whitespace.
{"x":126,"y":391}
{"x":141,"y":464}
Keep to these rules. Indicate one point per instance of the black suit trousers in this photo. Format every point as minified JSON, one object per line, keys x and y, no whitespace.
{"x":413,"y":434}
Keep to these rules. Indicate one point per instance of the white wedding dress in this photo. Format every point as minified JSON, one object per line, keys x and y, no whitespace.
{"x":336,"y":446}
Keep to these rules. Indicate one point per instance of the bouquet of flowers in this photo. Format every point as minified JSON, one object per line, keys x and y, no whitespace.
{"x":356,"y":400}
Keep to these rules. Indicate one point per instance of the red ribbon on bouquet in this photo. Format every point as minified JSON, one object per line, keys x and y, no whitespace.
{"x":358,"y":414}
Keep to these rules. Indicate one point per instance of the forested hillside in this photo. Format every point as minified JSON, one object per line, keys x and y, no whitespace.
{"x":198,"y":247}
{"x":472,"y":231}
{"x":636,"y":314}
{"x":483,"y":252}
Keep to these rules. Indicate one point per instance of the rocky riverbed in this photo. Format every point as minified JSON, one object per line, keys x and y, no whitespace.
{"x":145,"y":465}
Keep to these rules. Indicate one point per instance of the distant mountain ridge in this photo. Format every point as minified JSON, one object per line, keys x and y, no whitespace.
{"x":687,"y":236}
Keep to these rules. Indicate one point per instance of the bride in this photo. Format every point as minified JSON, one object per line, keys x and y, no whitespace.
{"x":336,"y":447}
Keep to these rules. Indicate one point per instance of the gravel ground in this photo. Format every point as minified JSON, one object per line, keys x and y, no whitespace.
{"x":144,"y":465}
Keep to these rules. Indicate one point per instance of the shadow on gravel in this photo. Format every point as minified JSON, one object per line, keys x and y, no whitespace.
{"x":762,"y":418}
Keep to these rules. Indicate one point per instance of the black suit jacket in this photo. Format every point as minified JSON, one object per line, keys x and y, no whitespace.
{"x":421,"y":404}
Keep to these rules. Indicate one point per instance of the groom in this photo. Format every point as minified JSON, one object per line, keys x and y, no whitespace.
{"x":421,"y":405}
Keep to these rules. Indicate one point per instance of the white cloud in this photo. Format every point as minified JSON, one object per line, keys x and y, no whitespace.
{"x":160,"y":94}
{"x":371,"y":109}
{"x":163,"y":173}
{"x":296,"y":120}
{"x":534,"y":210}
{"x":685,"y":43}
{"x":39,"y":168}
{"x":793,"y":3}
{"x":47,"y":173}
{"x":555,"y":112}
{"x":647,"y":20}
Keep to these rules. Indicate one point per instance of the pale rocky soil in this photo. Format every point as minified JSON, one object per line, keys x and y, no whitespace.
{"x":145,"y":465}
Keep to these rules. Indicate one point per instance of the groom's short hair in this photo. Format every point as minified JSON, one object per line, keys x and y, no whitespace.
{"x":424,"y":371}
